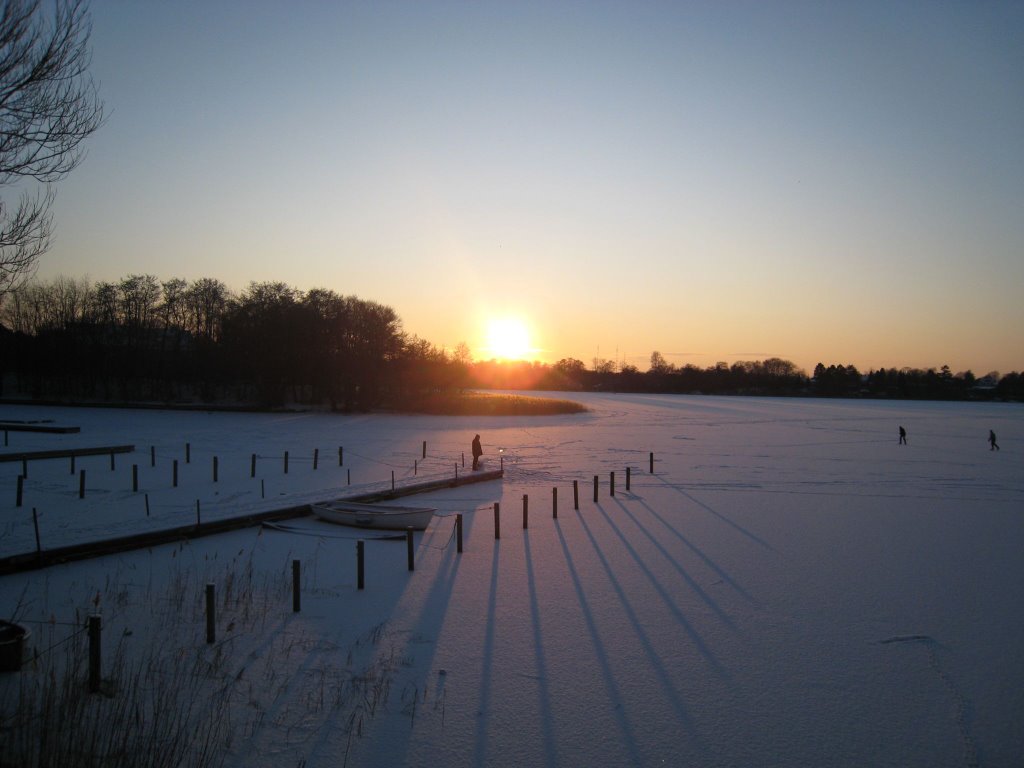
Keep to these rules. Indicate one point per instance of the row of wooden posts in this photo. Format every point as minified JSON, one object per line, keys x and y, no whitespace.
{"x":95,"y":623}
{"x":20,"y":490}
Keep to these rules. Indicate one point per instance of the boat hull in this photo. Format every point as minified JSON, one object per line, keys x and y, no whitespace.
{"x":376,"y":516}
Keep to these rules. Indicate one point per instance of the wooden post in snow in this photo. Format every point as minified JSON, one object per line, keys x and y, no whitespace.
{"x":360,"y":564}
{"x":35,"y":524}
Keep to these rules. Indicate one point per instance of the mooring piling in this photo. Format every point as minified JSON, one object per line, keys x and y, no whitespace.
{"x":360,"y":564}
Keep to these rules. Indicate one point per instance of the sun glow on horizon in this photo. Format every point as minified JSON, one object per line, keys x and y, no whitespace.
{"x":508,"y":338}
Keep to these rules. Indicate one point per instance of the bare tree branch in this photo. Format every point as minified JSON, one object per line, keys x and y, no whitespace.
{"x":48,"y":107}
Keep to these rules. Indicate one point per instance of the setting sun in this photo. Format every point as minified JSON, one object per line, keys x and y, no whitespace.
{"x":508,"y":338}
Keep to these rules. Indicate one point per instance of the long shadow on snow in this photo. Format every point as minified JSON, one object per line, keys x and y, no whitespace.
{"x":698,"y":641}
{"x":480,"y":747}
{"x":614,"y":694}
{"x":753,"y":537}
{"x":546,"y":715}
{"x":427,"y":623}
{"x":693,"y":548}
{"x":723,"y":617}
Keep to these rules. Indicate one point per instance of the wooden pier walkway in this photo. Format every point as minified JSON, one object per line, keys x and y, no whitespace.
{"x":42,"y":559}
{"x":64,"y":453}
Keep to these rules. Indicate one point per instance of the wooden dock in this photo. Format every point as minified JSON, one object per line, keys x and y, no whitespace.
{"x":64,"y":453}
{"x":42,"y":559}
{"x":19,"y":426}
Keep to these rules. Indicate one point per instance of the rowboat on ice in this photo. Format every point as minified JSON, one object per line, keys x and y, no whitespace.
{"x":381,"y":516}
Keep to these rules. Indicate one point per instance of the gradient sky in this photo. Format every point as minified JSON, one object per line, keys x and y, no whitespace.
{"x":822,"y":181}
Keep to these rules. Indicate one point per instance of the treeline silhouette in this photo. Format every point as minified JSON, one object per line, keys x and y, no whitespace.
{"x":143,"y":340}
{"x":140,"y":339}
{"x":773,"y":376}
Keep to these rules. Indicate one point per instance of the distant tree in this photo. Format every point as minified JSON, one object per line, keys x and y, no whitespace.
{"x":570,"y":366}
{"x":659,"y":364}
{"x":172,"y":309}
{"x":206,"y":302}
{"x":103,"y":309}
{"x":48,"y":107}
{"x":139,"y":295}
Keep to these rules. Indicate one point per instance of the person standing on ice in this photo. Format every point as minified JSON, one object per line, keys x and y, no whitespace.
{"x":992,"y":441}
{"x":903,"y":436}
{"x":477,"y":452}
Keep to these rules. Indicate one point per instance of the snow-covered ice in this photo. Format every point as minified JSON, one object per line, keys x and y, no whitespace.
{"x":789,"y":587}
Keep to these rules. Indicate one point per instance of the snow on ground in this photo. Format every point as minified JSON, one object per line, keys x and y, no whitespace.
{"x":789,"y":587}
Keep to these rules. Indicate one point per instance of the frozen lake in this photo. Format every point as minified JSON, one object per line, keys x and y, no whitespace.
{"x":789,"y":587}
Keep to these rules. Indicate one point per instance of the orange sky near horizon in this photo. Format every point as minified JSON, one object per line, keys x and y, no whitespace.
{"x":836,"y":183}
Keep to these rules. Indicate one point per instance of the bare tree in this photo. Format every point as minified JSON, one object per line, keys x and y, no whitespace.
{"x":48,"y":107}
{"x":206,"y":302}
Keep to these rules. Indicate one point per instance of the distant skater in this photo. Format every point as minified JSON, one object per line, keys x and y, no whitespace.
{"x":903,"y":436}
{"x":477,"y":452}
{"x":992,"y":441}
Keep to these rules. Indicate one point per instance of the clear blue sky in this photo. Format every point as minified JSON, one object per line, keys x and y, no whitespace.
{"x":717,"y":181}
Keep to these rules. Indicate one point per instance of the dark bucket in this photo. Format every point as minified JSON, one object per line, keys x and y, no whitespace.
{"x":12,"y":646}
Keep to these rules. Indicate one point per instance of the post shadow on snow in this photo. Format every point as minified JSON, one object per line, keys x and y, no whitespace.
{"x":753,"y":537}
{"x":683,"y":622}
{"x":626,"y":730}
{"x":546,"y":715}
{"x":426,"y":623}
{"x":480,"y":744}
{"x":726,"y":578}
{"x":673,"y":562}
